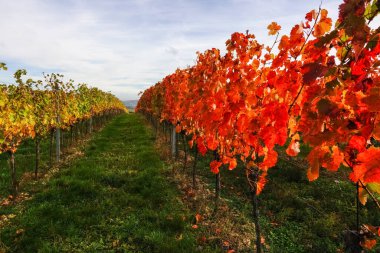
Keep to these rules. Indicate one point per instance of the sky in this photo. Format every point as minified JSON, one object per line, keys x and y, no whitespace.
{"x":125,"y":46}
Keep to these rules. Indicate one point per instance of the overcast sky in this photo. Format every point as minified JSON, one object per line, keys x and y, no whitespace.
{"x":125,"y":46}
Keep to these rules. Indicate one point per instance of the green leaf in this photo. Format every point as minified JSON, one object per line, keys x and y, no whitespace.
{"x":327,"y":38}
{"x":372,"y":10}
{"x":3,"y":66}
{"x":332,"y":84}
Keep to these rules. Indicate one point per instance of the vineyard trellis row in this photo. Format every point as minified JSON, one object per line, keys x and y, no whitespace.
{"x":320,"y":87}
{"x":36,"y":109}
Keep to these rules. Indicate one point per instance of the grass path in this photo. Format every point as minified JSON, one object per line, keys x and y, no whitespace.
{"x":113,"y":199}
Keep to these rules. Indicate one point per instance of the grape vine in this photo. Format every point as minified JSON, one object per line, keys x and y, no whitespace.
{"x":321,"y":88}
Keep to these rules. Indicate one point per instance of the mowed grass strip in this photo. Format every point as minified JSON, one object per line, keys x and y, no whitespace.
{"x":113,"y":199}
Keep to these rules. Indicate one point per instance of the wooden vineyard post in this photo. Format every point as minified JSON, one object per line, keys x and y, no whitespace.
{"x":51,"y":148}
{"x":174,"y":142}
{"x":38,"y":151}
{"x":90,"y":128}
{"x":195,"y":167}
{"x":58,"y":130}
{"x":185,"y":150}
{"x":12,"y":168}
{"x":217,"y":184}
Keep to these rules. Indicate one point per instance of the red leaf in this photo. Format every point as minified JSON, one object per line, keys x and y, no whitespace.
{"x":357,"y":142}
{"x":311,"y":15}
{"x":201,"y":146}
{"x":311,"y":71}
{"x":376,"y":130}
{"x":242,"y":123}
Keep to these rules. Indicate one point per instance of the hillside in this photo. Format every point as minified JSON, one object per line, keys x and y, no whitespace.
{"x":130,"y":104}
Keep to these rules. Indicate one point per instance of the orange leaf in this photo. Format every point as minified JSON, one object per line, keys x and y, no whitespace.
{"x":273,"y":28}
{"x":284,"y":43}
{"x":323,"y":25}
{"x":214,"y":165}
{"x":233,"y":164}
{"x":372,"y":100}
{"x":294,"y":146}
{"x":261,"y":183}
{"x":314,"y":158}
{"x":198,"y":217}
{"x":368,"y":243}
{"x":335,"y":160}
{"x":211,"y":142}
{"x":367,"y":168}
{"x":363,"y":196}
{"x":270,"y":160}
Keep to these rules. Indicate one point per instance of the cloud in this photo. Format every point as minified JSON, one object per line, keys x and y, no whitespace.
{"x":124,"y":46}
{"x":172,"y":50}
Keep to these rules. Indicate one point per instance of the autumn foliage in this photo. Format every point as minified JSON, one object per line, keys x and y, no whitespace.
{"x":319,"y":87}
{"x":29,"y":109}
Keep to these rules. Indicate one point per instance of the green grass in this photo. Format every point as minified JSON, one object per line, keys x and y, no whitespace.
{"x":25,"y":162}
{"x":25,"y":159}
{"x":116,"y":198}
{"x":113,"y":199}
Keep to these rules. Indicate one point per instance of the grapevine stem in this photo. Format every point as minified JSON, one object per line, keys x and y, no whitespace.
{"x":307,"y":38}
{"x":252,"y":177}
{"x":365,"y":188}
{"x":295,"y":99}
{"x":370,"y":193}
{"x":274,"y":43}
{"x":310,"y":32}
{"x":357,"y":207}
{"x":195,"y":166}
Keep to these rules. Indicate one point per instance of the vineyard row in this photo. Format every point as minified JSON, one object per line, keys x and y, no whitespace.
{"x":37,"y":109}
{"x":317,"y":87}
